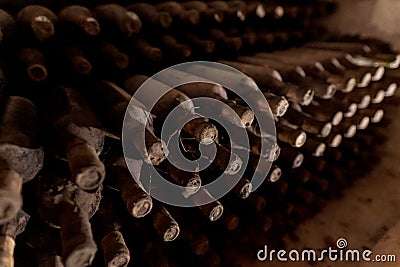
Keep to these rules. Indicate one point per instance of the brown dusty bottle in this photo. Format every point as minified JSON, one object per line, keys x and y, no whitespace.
{"x":207,"y":13}
{"x":328,"y":61}
{"x":257,"y":9}
{"x":271,"y":80}
{"x":323,"y":113}
{"x":277,"y":104}
{"x":107,"y":226}
{"x":264,"y":145}
{"x":38,"y":21}
{"x":8,"y":233}
{"x":290,"y":135}
{"x":175,"y":48}
{"x":21,"y":156}
{"x":225,"y":159}
{"x":225,"y":42}
{"x":230,"y":10}
{"x":179,"y":13}
{"x":345,"y":60}
{"x":290,"y":158}
{"x":34,"y":63}
{"x":307,"y":123}
{"x":211,"y":90}
{"x":293,"y":75}
{"x":204,"y":131}
{"x":149,"y":15}
{"x":200,"y":44}
{"x":112,"y":103}
{"x":166,"y":226}
{"x":63,"y":205}
{"x":119,"y":17}
{"x":147,"y":50}
{"x":313,"y":68}
{"x":113,"y":55}
{"x":78,"y":137}
{"x":213,"y":210}
{"x":7,"y":26}
{"x":81,"y":18}
{"x":348,"y":108}
{"x":137,"y":202}
{"x":77,"y":60}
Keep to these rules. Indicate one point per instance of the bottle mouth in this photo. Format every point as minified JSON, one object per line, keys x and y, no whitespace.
{"x":319,"y":151}
{"x":379,"y":96}
{"x":275,"y":175}
{"x":298,"y":161}
{"x":350,"y":85}
{"x":365,"y":101}
{"x":337,"y":118}
{"x":336,"y":140}
{"x":363,"y":124}
{"x":391,"y":90}
{"x":378,"y":116}
{"x":366,"y":79}
{"x":351,"y":131}
{"x":378,"y":74}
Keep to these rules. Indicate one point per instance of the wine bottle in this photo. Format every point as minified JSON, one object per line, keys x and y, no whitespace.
{"x":77,"y":137}
{"x":62,"y":204}
{"x":149,"y":14}
{"x":179,"y":13}
{"x":37,"y":20}
{"x":119,"y":18}
{"x":21,"y":156}
{"x":34,"y":62}
{"x":79,"y":18}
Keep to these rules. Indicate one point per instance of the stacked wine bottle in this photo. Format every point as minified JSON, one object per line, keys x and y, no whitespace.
{"x":67,"y":77}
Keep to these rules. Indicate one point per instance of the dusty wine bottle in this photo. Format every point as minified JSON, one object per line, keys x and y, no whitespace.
{"x":21,"y":156}
{"x":166,"y":226}
{"x":122,"y":19}
{"x":137,"y":202}
{"x":204,"y":131}
{"x":214,"y":210}
{"x":200,"y":44}
{"x":112,"y":103}
{"x":207,"y":13}
{"x":147,"y":50}
{"x":108,"y":226}
{"x":294,"y":75}
{"x":7,"y":26}
{"x":179,"y":13}
{"x":62,"y":204}
{"x":37,"y":20}
{"x":78,"y":60}
{"x":290,"y":135}
{"x":35,"y":63}
{"x":8,"y":233}
{"x":224,"y":41}
{"x":271,"y":80}
{"x":81,"y":18}
{"x":307,"y":123}
{"x":78,"y":137}
{"x":176,"y":48}
{"x":149,"y":14}
{"x":114,"y":55}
